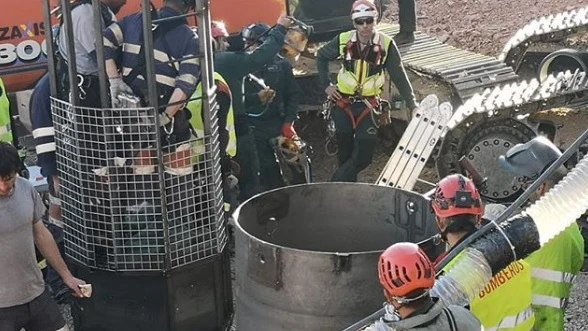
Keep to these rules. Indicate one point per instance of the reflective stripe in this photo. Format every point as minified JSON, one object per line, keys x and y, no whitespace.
{"x":187,"y":78}
{"x":117,"y":32}
{"x":357,"y":79}
{"x":165,"y":80}
{"x":164,"y":58}
{"x":549,"y":301}
{"x":191,"y":61}
{"x":43,"y":132}
{"x":510,"y":322}
{"x":4,"y":129}
{"x":45,"y":148}
{"x":131,"y":48}
{"x":553,"y":276}
{"x":108,"y":43}
{"x":195,"y":107}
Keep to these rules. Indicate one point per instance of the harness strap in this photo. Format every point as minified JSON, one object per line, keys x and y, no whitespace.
{"x":345,"y":103}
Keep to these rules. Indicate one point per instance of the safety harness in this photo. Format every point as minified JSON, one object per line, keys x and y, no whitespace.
{"x":85,"y":82}
{"x":363,"y":66}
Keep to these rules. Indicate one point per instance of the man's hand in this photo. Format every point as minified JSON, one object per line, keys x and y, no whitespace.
{"x":117,"y":87}
{"x":164,"y":119}
{"x":333,"y":93}
{"x":73,"y":284}
{"x":266,"y":95}
{"x":285,"y":21}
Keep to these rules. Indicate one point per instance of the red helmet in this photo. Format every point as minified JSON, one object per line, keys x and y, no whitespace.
{"x":218,"y":29}
{"x":456,"y":195}
{"x":363,"y":8}
{"x":404,"y":268}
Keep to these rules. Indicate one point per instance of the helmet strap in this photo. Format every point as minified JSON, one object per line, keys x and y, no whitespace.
{"x":403,"y":300}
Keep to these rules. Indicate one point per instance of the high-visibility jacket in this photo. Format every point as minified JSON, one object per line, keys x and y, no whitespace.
{"x":362,"y":74}
{"x":195,"y":107}
{"x":505,"y":302}
{"x":554,"y":268}
{"x":5,"y":127}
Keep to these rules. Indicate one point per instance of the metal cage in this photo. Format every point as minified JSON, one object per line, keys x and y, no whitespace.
{"x":129,"y":201}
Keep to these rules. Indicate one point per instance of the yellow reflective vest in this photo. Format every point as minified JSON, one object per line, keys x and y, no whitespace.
{"x":554,"y":268}
{"x":505,"y":302}
{"x":358,"y":76}
{"x":195,"y":107}
{"x":5,"y":128}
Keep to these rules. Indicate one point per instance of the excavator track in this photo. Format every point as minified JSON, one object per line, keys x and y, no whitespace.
{"x":544,"y":34}
{"x":466,"y":73}
{"x":493,"y":96}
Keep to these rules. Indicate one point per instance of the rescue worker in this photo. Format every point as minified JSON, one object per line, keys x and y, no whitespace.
{"x":176,"y":80}
{"x":234,"y":66}
{"x":366,"y":54}
{"x":226,"y":122}
{"x":407,"y":275}
{"x":91,"y":130}
{"x":556,"y":265}
{"x":82,"y":15}
{"x":407,"y":19}
{"x":505,"y":302}
{"x":44,"y":135}
{"x":5,"y":122}
{"x":271,"y":110}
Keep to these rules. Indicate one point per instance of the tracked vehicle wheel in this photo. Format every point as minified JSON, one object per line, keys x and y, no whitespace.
{"x":482,"y":145}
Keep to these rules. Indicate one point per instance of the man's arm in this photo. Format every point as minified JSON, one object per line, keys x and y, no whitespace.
{"x":254,"y":61}
{"x":329,"y":52}
{"x":291,"y":94}
{"x":43,"y":130}
{"x":47,"y":246}
{"x":113,"y":39}
{"x":398,"y":75}
{"x":187,"y":78}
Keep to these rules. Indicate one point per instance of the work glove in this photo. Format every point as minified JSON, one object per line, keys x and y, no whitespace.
{"x":164,"y":119}
{"x":288,"y":131}
{"x":266,"y":95}
{"x":117,"y":87}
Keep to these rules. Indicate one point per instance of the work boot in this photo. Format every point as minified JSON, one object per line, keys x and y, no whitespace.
{"x":404,"y":37}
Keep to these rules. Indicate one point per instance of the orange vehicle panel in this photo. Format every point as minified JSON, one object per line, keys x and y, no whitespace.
{"x":23,"y":49}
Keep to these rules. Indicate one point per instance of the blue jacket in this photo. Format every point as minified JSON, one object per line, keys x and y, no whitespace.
{"x":43,"y":131}
{"x":179,"y":42}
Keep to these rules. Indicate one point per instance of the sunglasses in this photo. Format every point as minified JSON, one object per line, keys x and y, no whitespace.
{"x":362,"y":21}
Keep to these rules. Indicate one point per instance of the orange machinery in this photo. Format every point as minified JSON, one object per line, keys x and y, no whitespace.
{"x":22,"y":45}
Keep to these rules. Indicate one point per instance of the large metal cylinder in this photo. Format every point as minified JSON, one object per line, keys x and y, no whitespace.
{"x":306,"y":255}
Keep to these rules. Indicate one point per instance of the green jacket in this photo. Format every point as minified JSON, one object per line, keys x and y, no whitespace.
{"x":234,"y":66}
{"x":393,"y":64}
{"x":554,"y":268}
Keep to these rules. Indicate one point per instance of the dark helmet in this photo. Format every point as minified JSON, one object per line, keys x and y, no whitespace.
{"x":530,"y":159}
{"x":255,"y":32}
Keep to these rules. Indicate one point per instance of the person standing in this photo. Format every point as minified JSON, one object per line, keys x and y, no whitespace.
{"x":24,"y":301}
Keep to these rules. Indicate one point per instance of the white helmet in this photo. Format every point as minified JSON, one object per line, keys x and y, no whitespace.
{"x":363,"y":8}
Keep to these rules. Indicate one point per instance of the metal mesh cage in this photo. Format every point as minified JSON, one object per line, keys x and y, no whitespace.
{"x":128,"y":207}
